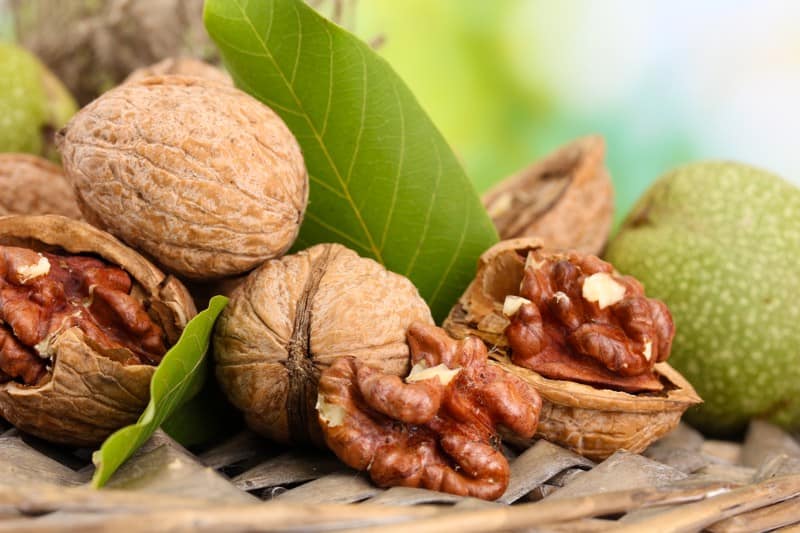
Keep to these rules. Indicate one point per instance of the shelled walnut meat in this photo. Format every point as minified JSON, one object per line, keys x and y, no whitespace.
{"x":292,"y":317}
{"x":197,"y":174}
{"x":32,"y":185}
{"x":436,"y":429}
{"x":84,"y":320}
{"x":576,"y":319}
{"x":587,"y":338}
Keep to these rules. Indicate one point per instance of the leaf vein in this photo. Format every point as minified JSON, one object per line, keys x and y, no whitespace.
{"x":299,"y":46}
{"x":398,"y":174}
{"x":324,"y":127}
{"x":360,"y":132}
{"x":314,"y":218}
{"x":372,"y":248}
{"x":327,"y":186}
{"x":453,"y":257}
{"x":427,"y":223}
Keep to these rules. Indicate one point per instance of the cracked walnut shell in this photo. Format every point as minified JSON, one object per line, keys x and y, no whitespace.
{"x":566,"y":199}
{"x":32,"y":185}
{"x":85,"y":319}
{"x":199,"y":175}
{"x":591,"y":420}
{"x":292,"y":317}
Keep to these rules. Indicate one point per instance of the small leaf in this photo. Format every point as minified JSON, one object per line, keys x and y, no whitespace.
{"x":180,"y":376}
{"x":207,"y":417}
{"x":383,"y":180}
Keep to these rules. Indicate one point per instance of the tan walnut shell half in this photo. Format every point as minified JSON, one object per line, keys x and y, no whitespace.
{"x":293,"y":317}
{"x":566,"y":199}
{"x":199,"y":175}
{"x":32,"y":185}
{"x":591,"y":421}
{"x":89,"y":395}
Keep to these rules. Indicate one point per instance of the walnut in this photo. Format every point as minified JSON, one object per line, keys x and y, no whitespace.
{"x":593,"y":420}
{"x":84,"y":320}
{"x":197,"y":174}
{"x":293,"y":317}
{"x":580,"y":321}
{"x":566,"y":199}
{"x":436,"y":430}
{"x":32,"y":185}
{"x":182,"y":66}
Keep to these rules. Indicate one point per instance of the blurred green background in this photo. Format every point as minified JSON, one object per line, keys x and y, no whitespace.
{"x":507,"y":81}
{"x":665,"y":82}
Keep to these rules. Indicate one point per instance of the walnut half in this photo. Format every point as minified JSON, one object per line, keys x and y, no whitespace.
{"x":436,"y":430}
{"x":84,"y":320}
{"x":599,"y":396}
{"x":581,"y":321}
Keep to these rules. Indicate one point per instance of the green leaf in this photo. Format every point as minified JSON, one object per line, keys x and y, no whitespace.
{"x":207,"y":417}
{"x":383,"y":180}
{"x":180,"y":376}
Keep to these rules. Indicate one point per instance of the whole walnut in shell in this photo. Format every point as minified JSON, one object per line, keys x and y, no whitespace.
{"x":32,"y":185}
{"x":293,"y":317}
{"x":84,"y":320}
{"x":182,"y":66}
{"x":197,"y":174}
{"x":594,"y":421}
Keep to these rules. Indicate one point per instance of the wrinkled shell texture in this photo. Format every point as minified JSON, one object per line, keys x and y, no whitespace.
{"x":31,"y":185}
{"x":89,"y":395}
{"x":591,"y":421}
{"x":597,"y":422}
{"x":566,"y":199}
{"x":198,"y":175}
{"x":292,"y":317}
{"x":182,"y":66}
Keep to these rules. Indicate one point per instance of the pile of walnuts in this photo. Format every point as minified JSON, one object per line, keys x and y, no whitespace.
{"x":179,"y":169}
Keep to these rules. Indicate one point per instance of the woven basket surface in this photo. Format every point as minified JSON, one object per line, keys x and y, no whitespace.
{"x":682,"y":483}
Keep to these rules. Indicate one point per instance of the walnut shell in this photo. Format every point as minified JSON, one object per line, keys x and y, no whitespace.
{"x":182,"y":66}
{"x":199,"y":175}
{"x":292,"y":317}
{"x":32,"y":185}
{"x":89,"y":395}
{"x":591,"y":421}
{"x":566,"y":199}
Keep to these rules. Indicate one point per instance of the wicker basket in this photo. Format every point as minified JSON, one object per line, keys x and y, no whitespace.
{"x":682,"y":483}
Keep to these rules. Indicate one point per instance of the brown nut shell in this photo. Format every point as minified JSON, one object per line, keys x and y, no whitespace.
{"x":293,"y":317}
{"x":89,"y":395}
{"x":32,"y":185}
{"x":197,"y":174}
{"x":566,"y":199}
{"x":597,"y":422}
{"x":181,"y":66}
{"x":591,"y":421}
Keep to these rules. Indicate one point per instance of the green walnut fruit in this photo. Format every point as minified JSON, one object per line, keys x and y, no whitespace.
{"x":33,"y":103}
{"x":720,"y":244}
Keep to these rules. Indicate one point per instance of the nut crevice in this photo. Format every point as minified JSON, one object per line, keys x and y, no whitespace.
{"x":303,"y":375}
